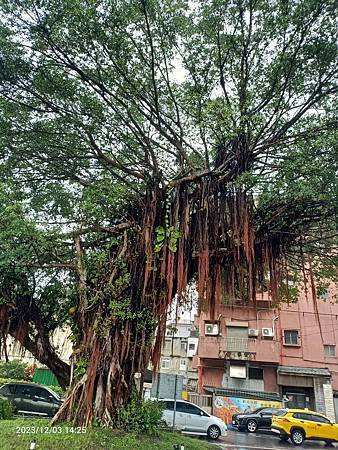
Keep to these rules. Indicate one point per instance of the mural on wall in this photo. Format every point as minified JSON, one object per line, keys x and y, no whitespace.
{"x":225,"y":407}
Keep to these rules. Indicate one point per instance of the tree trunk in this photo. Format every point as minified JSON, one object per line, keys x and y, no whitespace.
{"x":45,"y":354}
{"x":109,"y":359}
{"x":17,"y":321}
{"x":207,"y":232}
{"x":117,"y":317}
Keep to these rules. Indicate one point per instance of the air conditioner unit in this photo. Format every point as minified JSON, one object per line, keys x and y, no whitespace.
{"x":253,"y":332}
{"x":267,"y":332}
{"x":211,"y":329}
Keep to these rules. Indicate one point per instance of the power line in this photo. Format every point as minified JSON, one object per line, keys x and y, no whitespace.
{"x":282,"y":310}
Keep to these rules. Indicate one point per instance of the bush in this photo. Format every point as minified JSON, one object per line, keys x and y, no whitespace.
{"x":12,"y":369}
{"x":11,"y":380}
{"x":58,"y":390}
{"x":6,"y":409}
{"x":140,"y":416}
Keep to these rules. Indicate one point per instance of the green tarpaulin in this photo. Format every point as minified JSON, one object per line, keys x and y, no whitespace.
{"x":45,"y":376}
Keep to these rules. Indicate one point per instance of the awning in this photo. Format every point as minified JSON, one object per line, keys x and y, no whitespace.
{"x":241,"y":393}
{"x":303,"y":371}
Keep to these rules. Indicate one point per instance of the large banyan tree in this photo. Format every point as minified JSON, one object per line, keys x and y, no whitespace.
{"x":165,"y":143}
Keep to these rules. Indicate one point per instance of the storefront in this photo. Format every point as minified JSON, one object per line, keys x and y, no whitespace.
{"x":304,"y":387}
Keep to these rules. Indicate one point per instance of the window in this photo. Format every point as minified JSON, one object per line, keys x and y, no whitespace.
{"x":187,"y":408}
{"x":191,"y":409}
{"x":184,"y":345}
{"x":168,"y":405}
{"x":191,"y":346}
{"x":165,"y":364}
{"x":237,"y":338}
{"x":41,"y":394}
{"x":319,"y":419}
{"x":24,"y":391}
{"x":330,"y":350}
{"x":238,"y":371}
{"x":256,"y":373}
{"x":183,"y":364}
{"x":291,"y":337}
{"x":180,"y":407}
{"x":8,"y":389}
{"x":167,"y":344}
{"x":269,"y":411}
{"x":302,"y":416}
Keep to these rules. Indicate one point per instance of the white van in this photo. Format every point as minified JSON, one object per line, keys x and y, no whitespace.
{"x":191,"y":419}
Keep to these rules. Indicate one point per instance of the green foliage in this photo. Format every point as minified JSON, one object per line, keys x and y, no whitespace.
{"x":140,"y":416}
{"x":160,"y":236}
{"x":80,"y":368}
{"x":14,"y":369}
{"x":173,"y":236}
{"x":58,"y":390}
{"x":6,"y":409}
{"x":6,"y":380}
{"x":169,"y":235}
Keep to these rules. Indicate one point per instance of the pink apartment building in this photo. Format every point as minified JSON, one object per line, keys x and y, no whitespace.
{"x":252,"y":356}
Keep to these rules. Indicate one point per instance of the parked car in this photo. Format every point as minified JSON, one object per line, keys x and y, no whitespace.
{"x":301,"y":424}
{"x":260,"y":418}
{"x":191,"y":419}
{"x":31,"y":398}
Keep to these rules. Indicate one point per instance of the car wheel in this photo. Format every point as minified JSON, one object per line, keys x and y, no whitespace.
{"x":297,"y":437}
{"x":214,"y":432}
{"x":251,"y":426}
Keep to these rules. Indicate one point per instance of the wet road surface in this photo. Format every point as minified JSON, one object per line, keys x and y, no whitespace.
{"x":264,"y":441}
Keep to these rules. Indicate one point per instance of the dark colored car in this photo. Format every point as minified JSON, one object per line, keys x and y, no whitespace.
{"x":30,"y":398}
{"x":260,"y":418}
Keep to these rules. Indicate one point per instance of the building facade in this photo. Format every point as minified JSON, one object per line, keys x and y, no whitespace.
{"x":260,"y":356}
{"x":179,"y":348}
{"x":59,"y":339}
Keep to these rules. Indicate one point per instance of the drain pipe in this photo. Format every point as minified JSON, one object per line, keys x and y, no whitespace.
{"x":273,"y":326}
{"x":257,"y":316}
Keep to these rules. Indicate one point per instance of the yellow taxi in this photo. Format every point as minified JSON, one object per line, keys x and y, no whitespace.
{"x":301,"y":424}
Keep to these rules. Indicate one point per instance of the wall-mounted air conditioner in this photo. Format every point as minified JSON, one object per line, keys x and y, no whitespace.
{"x":211,"y":329}
{"x":253,"y":332}
{"x":267,"y":332}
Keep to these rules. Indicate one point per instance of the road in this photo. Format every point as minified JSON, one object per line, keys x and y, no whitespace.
{"x":263,"y":441}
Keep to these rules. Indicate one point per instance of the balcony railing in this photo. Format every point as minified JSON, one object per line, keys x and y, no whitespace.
{"x":237,"y":348}
{"x":221,"y":347}
{"x":234,"y":344}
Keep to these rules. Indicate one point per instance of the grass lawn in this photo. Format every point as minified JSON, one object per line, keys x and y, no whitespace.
{"x":18,"y":434}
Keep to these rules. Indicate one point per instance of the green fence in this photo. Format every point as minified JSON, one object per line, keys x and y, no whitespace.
{"x":45,"y":376}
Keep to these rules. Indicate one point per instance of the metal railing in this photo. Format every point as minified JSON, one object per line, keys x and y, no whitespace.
{"x":234,"y":344}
